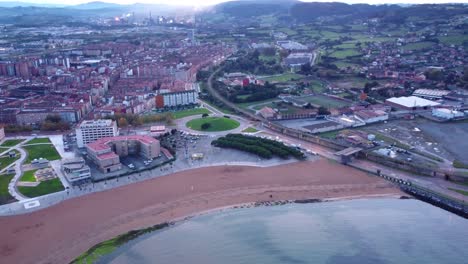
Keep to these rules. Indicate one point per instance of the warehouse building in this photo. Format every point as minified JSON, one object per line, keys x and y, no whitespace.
{"x":410,"y":103}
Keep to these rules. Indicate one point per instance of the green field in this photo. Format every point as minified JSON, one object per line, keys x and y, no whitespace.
{"x":269,"y":58}
{"x":317,"y":86}
{"x":38,"y":140}
{"x":5,"y":196}
{"x":454,"y":39}
{"x":285,"y":77}
{"x":216,"y":124}
{"x":257,"y":104}
{"x":11,"y":142}
{"x":28,"y":176}
{"x":418,"y":45}
{"x":190,"y":112}
{"x":46,"y":151}
{"x":325,"y":101}
{"x":43,"y":188}
{"x":330,"y":134}
{"x":342,"y":54}
{"x":250,"y":130}
{"x":5,"y":160}
{"x":344,"y":64}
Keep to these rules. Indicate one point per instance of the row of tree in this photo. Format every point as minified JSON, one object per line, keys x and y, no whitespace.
{"x":264,"y":148}
{"x":123,"y":120}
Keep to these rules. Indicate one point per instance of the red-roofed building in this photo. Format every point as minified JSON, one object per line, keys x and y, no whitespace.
{"x":106,"y":152}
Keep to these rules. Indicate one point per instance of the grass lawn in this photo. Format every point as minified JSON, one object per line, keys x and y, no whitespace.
{"x":46,"y":151}
{"x":266,"y":58}
{"x":258,"y":104}
{"x":317,"y":86}
{"x":454,"y":39}
{"x":190,"y":112}
{"x":418,"y":45}
{"x":459,"y":191}
{"x":330,"y":134}
{"x":250,"y":130}
{"x":325,"y":101}
{"x":341,"y":54}
{"x":43,"y":188}
{"x":38,"y":140}
{"x":5,"y":196}
{"x":11,"y":142}
{"x":28,"y":176}
{"x":216,"y":124}
{"x":285,"y":77}
{"x":5,"y":160}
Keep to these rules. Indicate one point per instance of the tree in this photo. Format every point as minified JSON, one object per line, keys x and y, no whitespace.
{"x":205,"y":126}
{"x":323,"y":111}
{"x":122,"y":122}
{"x":205,"y":115}
{"x":53,"y":118}
{"x":306,"y":68}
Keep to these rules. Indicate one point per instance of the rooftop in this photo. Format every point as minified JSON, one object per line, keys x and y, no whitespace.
{"x":412,"y":101}
{"x":103,"y":143}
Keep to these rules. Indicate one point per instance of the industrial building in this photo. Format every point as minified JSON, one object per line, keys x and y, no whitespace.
{"x":298,"y":59}
{"x":448,"y":114}
{"x":91,"y":130}
{"x":106,"y":152}
{"x":410,"y":103}
{"x":431,"y":93}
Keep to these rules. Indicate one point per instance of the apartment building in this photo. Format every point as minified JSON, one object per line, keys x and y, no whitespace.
{"x":176,"y":99}
{"x":91,"y":130}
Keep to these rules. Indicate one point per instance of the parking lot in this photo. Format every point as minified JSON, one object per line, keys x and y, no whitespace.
{"x":447,"y":140}
{"x":187,"y":145}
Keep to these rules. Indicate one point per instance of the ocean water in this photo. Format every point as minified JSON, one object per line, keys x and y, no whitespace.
{"x":349,"y":232}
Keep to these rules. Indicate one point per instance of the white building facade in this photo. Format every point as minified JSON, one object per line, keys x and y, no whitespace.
{"x":92,"y":130}
{"x":446,"y":113}
{"x":180,"y":98}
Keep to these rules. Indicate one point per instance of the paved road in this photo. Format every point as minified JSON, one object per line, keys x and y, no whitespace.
{"x":435,"y":184}
{"x":12,"y":189}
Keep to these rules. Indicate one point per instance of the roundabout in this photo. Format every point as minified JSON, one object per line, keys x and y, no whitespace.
{"x":212,"y":124}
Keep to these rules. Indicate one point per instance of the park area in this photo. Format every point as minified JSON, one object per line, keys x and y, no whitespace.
{"x":46,"y":151}
{"x":39,"y":141}
{"x":6,"y":160}
{"x":28,"y":176}
{"x":325,"y":101}
{"x":5,"y":196}
{"x":285,"y":77}
{"x":11,"y":142}
{"x":190,"y":112}
{"x":43,"y":188}
{"x":212,"y":124}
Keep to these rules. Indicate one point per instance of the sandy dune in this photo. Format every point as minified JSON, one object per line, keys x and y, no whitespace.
{"x":60,"y":233}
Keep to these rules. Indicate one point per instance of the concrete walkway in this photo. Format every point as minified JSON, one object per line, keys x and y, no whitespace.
{"x":12,"y":188}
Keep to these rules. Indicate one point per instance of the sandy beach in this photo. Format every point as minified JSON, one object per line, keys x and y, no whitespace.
{"x":62,"y":232}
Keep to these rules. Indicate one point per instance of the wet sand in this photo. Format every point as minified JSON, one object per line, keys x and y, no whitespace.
{"x":62,"y":232}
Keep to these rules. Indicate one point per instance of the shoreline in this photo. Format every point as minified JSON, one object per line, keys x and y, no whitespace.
{"x":158,"y":227}
{"x":74,"y":226}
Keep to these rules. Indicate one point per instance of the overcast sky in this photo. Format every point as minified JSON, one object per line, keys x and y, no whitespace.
{"x":211,"y":2}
